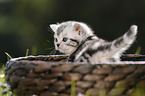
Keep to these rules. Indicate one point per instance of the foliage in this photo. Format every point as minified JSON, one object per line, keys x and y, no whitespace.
{"x":4,"y":87}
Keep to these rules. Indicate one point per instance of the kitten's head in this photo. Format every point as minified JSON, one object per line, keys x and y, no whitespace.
{"x":68,"y":35}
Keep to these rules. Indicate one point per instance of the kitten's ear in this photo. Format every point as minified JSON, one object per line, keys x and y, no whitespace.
{"x":54,"y":27}
{"x":78,"y":28}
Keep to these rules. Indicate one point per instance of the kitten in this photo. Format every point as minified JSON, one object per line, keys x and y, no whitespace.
{"x":78,"y":40}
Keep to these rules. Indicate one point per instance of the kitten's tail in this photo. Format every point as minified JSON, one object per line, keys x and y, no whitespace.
{"x":123,"y":43}
{"x":130,"y":36}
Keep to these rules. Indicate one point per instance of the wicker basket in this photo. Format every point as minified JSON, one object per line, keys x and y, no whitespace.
{"x":41,"y":76}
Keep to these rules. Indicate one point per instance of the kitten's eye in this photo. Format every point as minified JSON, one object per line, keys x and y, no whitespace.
{"x":65,"y":39}
{"x":56,"y":40}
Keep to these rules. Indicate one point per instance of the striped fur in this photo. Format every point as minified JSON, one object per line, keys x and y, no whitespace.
{"x":83,"y":46}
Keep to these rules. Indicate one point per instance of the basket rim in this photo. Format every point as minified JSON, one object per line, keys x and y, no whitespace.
{"x":26,"y":60}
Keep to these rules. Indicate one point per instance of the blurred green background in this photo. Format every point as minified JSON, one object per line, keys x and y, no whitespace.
{"x":24,"y":23}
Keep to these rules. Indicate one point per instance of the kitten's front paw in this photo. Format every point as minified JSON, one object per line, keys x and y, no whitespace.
{"x":71,"y":58}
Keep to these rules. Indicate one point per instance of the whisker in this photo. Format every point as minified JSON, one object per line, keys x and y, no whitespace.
{"x":52,"y":51}
{"x":48,"y":41}
{"x":50,"y":48}
{"x":50,"y":30}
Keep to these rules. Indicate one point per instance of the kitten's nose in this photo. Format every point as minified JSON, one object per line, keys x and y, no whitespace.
{"x":58,"y":45}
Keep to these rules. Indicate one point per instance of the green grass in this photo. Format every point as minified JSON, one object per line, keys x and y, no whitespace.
{"x":73,"y":88}
{"x":27,"y":52}
{"x":138,"y":50}
{"x":4,"y":88}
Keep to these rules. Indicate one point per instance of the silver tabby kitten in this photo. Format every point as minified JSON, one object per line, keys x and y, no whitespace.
{"x":79,"y":41}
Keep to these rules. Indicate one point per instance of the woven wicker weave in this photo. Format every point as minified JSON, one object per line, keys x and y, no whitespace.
{"x":40,"y":76}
